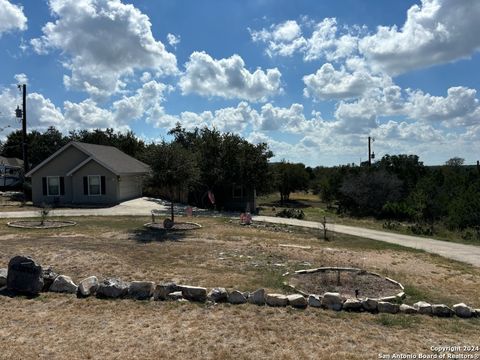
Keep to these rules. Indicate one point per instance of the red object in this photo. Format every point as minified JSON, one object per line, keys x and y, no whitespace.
{"x":211,"y":197}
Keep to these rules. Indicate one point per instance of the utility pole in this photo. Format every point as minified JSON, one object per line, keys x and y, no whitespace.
{"x":371,"y":155}
{"x":23,"y":115}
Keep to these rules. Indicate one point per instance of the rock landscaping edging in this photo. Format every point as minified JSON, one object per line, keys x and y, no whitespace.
{"x":177,"y":226}
{"x":25,"y":276}
{"x":48,"y":224}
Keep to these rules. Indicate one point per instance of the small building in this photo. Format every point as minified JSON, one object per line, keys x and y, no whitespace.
{"x":11,"y":173}
{"x":87,"y":174}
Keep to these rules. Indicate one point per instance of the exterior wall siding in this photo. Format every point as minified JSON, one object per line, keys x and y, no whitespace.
{"x":129,"y":187}
{"x":59,"y":166}
{"x":111,"y":185}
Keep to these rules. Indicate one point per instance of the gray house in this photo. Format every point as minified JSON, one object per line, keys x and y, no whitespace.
{"x":81,"y":173}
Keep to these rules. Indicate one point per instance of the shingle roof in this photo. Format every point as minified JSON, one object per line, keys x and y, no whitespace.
{"x":12,"y":161}
{"x":113,"y":158}
{"x":108,"y":156}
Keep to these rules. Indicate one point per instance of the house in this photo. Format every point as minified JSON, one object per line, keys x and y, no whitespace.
{"x":11,"y":173}
{"x":81,"y":173}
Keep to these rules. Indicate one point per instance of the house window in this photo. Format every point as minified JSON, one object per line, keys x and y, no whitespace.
{"x":53,"y":185}
{"x":94,"y":185}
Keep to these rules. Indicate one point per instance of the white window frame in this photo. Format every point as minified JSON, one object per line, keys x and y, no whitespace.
{"x":99,"y":185}
{"x":48,"y":185}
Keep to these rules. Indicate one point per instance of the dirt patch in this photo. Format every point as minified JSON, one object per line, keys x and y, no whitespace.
{"x":346,"y":283}
{"x":35,"y":224}
{"x":176,"y":226}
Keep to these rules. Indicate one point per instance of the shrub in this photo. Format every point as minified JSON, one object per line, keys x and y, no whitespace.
{"x":291,"y":213}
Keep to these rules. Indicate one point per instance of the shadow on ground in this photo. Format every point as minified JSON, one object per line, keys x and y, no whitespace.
{"x":146,"y":235}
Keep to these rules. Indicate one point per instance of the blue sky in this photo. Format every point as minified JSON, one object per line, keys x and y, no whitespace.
{"x":313,"y":79}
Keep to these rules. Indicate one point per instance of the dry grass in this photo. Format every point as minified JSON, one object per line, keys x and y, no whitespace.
{"x":220,"y":254}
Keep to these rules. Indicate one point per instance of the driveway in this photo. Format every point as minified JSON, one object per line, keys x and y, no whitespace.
{"x":469,"y":254}
{"x":138,"y":207}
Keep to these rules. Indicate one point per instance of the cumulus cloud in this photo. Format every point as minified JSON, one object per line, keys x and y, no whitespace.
{"x":290,"y":119}
{"x":21,"y":78}
{"x":173,"y":40}
{"x":228,"y":78}
{"x":103,"y":41}
{"x":11,"y":17}
{"x":435,"y":32}
{"x":328,"y":83}
{"x":282,"y":39}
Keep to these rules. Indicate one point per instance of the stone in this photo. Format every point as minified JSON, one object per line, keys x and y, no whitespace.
{"x":24,"y":275}
{"x":462,"y":310}
{"x":112,"y":288}
{"x":257,"y":297}
{"x":370,"y":305}
{"x":162,"y":290}
{"x":423,"y":307}
{"x":236,"y":297}
{"x":476,"y":312}
{"x":386,"y":307}
{"x":49,"y":277}
{"x":441,"y":310}
{"x":332,"y":301}
{"x":407,"y":309}
{"x":141,"y":290}
{"x":352,"y":305}
{"x":194,"y":293}
{"x":218,"y":295}
{"x":314,"y":301}
{"x":297,"y":301}
{"x":63,"y":284}
{"x":276,"y":300}
{"x":176,"y":295}
{"x":88,"y":286}
{"x":3,"y":277}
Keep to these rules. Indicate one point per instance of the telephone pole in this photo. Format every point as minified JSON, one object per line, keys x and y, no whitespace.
{"x":371,"y":155}
{"x":23,"y":115}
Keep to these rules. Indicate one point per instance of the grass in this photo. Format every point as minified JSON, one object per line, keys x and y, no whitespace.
{"x":225,"y":254}
{"x":316,"y":210}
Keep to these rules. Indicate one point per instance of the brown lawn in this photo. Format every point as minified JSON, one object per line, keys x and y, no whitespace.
{"x":222,"y":253}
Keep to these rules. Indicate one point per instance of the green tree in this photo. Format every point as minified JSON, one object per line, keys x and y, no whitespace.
{"x":289,"y":177}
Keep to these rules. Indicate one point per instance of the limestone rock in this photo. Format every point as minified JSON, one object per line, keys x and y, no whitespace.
{"x":314,"y":301}
{"x":112,"y":288}
{"x":407,"y":309}
{"x":24,"y":275}
{"x":194,"y":293}
{"x":88,"y":286}
{"x":276,"y":300}
{"x":297,"y":301}
{"x":389,"y":308}
{"x":141,"y":290}
{"x":462,"y":310}
{"x":218,"y":295}
{"x":332,"y":301}
{"x":476,"y":312}
{"x":370,"y":305}
{"x":423,"y":307}
{"x":63,"y":284}
{"x":176,"y":295}
{"x":352,"y":305}
{"x":257,"y":297}
{"x":162,"y":290}
{"x":3,"y":277}
{"x":236,"y":297}
{"x":49,"y":277}
{"x":441,"y":310}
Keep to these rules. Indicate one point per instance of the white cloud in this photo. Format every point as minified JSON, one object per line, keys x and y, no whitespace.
{"x":328,"y":83}
{"x":173,"y":40}
{"x":435,"y":32}
{"x":228,"y":78}
{"x":11,"y":17}
{"x":103,"y":41}
{"x":21,"y":78}
{"x":290,"y":119}
{"x":282,"y":39}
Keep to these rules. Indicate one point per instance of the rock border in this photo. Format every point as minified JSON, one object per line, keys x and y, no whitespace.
{"x":196,"y":226}
{"x":399,"y":296}
{"x":59,"y":224}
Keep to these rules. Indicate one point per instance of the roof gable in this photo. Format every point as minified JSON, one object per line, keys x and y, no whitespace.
{"x":108,"y":156}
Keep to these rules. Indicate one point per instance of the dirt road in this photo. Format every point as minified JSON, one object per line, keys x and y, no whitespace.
{"x":466,"y":253}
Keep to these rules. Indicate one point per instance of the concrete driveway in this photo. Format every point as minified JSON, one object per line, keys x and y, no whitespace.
{"x":136,"y":207}
{"x":469,"y":254}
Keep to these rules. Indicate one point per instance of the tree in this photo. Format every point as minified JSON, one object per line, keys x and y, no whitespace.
{"x":455,"y":161}
{"x":174,"y":167}
{"x":407,"y":168}
{"x":289,"y":177}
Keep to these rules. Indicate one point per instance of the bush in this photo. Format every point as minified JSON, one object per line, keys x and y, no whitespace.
{"x":398,"y":211}
{"x":291,"y":214}
{"x":419,"y":229}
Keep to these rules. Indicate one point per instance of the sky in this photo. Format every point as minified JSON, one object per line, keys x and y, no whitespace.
{"x":313,"y":79}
